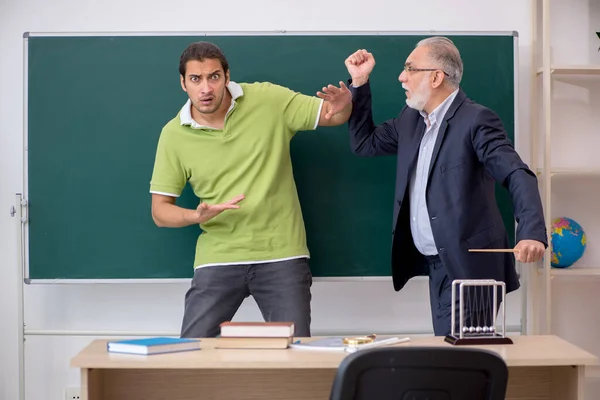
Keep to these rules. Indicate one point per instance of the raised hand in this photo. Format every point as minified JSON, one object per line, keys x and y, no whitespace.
{"x":338,"y":98}
{"x":360,"y":64}
{"x":205,"y":212}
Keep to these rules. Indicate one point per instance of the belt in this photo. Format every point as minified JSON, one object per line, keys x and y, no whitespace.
{"x":432,"y":258}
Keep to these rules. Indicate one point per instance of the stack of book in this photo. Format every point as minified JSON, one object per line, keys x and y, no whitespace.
{"x":255,"y":335}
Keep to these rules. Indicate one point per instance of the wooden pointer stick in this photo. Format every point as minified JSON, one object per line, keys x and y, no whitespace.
{"x":493,"y":251}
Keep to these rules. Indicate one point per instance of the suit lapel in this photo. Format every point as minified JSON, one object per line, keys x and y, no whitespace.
{"x":416,"y":144}
{"x":438,"y":144}
{"x":458,"y":100}
{"x":421,"y":128}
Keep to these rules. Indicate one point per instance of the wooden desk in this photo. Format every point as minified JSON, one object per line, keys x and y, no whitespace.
{"x":540,"y":367}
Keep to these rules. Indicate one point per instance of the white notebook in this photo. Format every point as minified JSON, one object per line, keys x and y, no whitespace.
{"x":335,"y":343}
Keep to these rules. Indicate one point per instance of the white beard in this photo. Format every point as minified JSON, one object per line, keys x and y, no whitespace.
{"x":420,"y":96}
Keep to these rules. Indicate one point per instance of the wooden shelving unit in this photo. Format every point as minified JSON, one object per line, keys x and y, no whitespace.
{"x":546,"y":72}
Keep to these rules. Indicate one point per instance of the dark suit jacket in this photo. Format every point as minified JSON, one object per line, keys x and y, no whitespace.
{"x":472,"y":151}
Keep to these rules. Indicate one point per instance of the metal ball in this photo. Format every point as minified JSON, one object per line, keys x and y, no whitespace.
{"x":486,"y":329}
{"x":465,"y":329}
{"x":492,"y":328}
{"x":472,"y":329}
{"x":478,"y":329}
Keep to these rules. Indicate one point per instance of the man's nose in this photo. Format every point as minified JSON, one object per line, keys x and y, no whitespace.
{"x":204,"y":86}
{"x":402,"y":77}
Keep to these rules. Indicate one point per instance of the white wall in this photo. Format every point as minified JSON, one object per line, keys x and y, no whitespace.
{"x":158,"y":307}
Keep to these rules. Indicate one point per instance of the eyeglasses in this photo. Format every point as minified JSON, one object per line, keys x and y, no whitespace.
{"x":409,"y":68}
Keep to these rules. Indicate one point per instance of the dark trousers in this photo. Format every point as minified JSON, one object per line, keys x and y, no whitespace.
{"x":281,"y":290}
{"x":477,"y":302}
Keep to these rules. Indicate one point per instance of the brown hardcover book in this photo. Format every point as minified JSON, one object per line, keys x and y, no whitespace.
{"x":257,"y":329}
{"x":253,"y":342}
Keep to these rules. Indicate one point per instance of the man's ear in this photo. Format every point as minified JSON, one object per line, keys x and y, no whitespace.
{"x":227,"y":77}
{"x":438,"y":78}
{"x":182,"y":79}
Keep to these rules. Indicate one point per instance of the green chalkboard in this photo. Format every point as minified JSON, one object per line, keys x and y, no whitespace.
{"x":95,"y":106}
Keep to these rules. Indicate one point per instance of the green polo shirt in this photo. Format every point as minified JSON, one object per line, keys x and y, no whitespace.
{"x":250,"y":156}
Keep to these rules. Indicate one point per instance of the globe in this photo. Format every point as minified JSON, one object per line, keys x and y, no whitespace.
{"x":568,"y":242}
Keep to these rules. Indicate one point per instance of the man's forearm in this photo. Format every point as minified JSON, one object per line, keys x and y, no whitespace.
{"x":343,"y":116}
{"x":527,"y":204}
{"x":172,"y":216}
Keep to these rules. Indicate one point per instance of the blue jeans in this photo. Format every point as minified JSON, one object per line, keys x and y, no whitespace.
{"x":281,"y":290}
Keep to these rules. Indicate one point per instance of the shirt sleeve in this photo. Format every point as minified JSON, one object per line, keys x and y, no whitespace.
{"x":168,"y":176}
{"x":300,"y":112}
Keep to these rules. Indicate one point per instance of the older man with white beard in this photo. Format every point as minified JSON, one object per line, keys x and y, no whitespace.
{"x":450,"y":152}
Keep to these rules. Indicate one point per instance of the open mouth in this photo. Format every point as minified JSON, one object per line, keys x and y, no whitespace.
{"x":407,"y":92}
{"x":206,"y":101}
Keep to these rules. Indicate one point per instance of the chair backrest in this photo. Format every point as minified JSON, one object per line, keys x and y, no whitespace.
{"x":421,"y":373}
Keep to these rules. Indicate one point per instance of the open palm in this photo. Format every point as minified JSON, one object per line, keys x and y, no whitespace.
{"x":338,"y":98}
{"x":205,"y":211}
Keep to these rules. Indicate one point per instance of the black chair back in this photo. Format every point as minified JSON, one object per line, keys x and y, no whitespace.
{"x":421,"y":373}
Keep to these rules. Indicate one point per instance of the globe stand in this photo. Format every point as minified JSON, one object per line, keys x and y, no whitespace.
{"x":477,"y":306}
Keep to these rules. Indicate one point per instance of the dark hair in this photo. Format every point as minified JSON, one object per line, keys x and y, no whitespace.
{"x":199,"y":51}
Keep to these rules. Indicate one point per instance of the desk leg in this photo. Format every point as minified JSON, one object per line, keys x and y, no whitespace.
{"x":568,"y":383}
{"x":91,"y":384}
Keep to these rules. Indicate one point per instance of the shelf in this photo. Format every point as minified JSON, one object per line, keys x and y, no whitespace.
{"x":572,"y":172}
{"x":575,"y":271}
{"x":572,"y":70}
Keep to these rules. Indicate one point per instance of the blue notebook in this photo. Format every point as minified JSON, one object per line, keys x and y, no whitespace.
{"x":157,"y":345}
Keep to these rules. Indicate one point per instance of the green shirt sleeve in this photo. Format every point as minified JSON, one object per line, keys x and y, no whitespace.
{"x":300,"y":112}
{"x":169,"y":176}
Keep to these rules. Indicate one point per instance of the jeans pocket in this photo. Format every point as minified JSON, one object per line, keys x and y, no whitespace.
{"x":308,"y":274}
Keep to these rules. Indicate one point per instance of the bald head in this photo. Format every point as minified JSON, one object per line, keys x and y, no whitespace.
{"x":444,"y":54}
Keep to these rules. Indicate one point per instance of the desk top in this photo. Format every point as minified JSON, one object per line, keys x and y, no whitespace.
{"x":526,"y":351}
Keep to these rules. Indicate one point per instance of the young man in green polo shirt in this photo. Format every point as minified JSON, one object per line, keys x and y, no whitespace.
{"x":231,"y":142}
